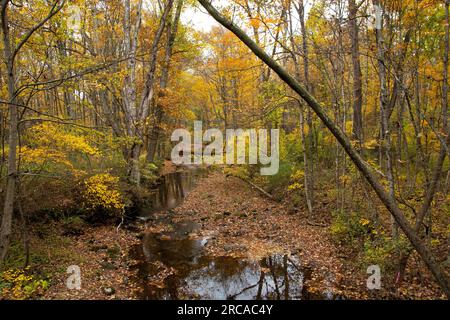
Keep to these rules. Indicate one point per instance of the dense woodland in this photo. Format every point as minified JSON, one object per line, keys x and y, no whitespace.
{"x":91,"y":91}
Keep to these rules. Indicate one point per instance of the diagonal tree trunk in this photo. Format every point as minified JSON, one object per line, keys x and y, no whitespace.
{"x":437,"y":171}
{"x":441,"y":277}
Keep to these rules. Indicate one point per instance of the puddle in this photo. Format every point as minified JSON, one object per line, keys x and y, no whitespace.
{"x":194,"y":274}
{"x":199,"y":276}
{"x":172,"y":189}
{"x":173,"y":248}
{"x":275,"y":277}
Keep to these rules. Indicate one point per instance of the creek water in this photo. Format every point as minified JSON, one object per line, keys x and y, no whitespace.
{"x":196,"y":275}
{"x":173,"y":188}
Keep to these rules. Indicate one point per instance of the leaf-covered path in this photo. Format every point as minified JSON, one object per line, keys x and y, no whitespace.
{"x":239,"y":221}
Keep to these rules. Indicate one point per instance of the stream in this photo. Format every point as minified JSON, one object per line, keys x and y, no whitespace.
{"x":196,"y":275}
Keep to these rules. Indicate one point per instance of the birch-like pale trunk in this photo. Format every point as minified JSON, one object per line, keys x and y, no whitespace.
{"x":141,"y":113}
{"x":357,"y":76}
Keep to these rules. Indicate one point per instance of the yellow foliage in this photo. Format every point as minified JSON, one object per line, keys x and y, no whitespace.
{"x":295,"y":186}
{"x":348,"y":126}
{"x":51,"y":135}
{"x":101,"y":191}
{"x":40,"y":156}
{"x":345,"y":178}
{"x":298,"y":175}
{"x":255,"y":23}
{"x":236,"y":171}
{"x":371,"y":144}
{"x":17,"y":284}
{"x":48,"y":143}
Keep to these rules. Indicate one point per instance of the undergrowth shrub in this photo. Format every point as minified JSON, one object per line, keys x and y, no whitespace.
{"x":149,"y":171}
{"x":384,"y":251}
{"x":349,"y":227}
{"x":101,"y":192}
{"x":236,"y":171}
{"x":73,"y":225}
{"x":21,"y":284}
{"x":291,"y":161}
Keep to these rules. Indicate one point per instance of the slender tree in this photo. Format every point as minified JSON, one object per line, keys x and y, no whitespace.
{"x":11,"y":48}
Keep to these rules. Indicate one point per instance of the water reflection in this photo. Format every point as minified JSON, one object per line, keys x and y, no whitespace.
{"x":275,"y":277}
{"x":172,"y":189}
{"x":173,"y":248}
{"x":199,"y":276}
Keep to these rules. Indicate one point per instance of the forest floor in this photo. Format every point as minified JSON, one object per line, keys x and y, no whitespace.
{"x":246,"y":224}
{"x":240,"y":222}
{"x":102,"y":254}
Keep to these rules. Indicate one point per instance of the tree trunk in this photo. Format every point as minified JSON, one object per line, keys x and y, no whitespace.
{"x":357,"y":76}
{"x":172,"y":28}
{"x":390,"y":203}
{"x":307,"y":139}
{"x":309,"y":142}
{"x":141,"y":114}
{"x":385,"y":131}
{"x":129,"y":88}
{"x":445,"y":96}
{"x":8,"y":207}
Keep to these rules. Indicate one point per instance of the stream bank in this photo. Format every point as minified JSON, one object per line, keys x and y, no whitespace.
{"x":224,"y":241}
{"x":209,"y":236}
